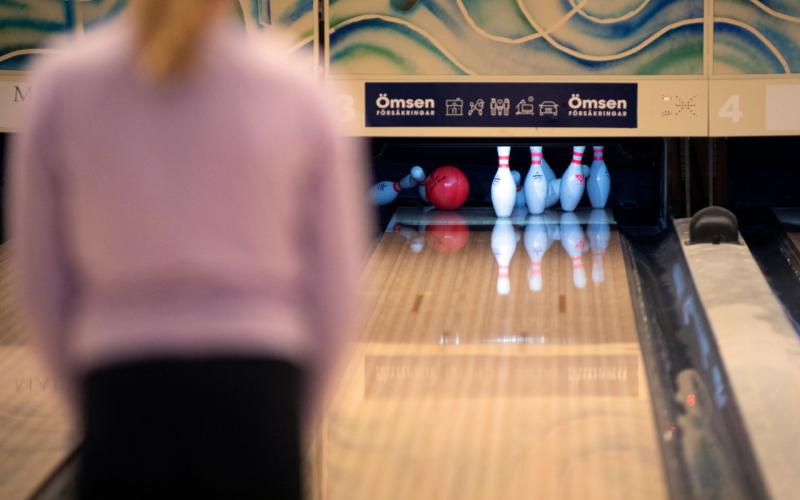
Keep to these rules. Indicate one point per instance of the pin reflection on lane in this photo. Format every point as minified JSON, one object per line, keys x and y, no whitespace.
{"x":537,"y":242}
{"x":504,"y":244}
{"x":448,"y":233}
{"x":574,"y":242}
{"x":599,"y":236}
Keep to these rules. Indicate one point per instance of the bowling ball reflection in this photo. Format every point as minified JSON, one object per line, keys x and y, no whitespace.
{"x":447,"y":188}
{"x":447,"y":232}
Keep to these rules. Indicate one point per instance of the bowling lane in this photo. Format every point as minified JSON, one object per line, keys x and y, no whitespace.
{"x":795,"y":237}
{"x":35,"y":436}
{"x":455,"y":391}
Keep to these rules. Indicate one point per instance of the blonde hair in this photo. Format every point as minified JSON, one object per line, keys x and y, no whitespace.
{"x":168,"y":33}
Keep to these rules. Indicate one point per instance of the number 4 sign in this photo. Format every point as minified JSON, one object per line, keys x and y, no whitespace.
{"x":732,"y":109}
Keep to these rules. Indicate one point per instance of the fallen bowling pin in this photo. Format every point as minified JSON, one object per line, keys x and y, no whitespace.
{"x":386,"y":192}
{"x":520,"y":201}
{"x":553,"y":192}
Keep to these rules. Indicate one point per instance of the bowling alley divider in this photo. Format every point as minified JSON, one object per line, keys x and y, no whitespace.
{"x":759,"y":348}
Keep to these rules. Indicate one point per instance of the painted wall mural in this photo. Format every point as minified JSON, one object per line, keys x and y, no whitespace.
{"x":482,"y":37}
{"x":516,"y":37}
{"x":296,"y":16}
{"x":26,"y":24}
{"x":756,"y":36}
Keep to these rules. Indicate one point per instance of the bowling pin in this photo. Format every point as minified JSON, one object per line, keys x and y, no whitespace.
{"x":599,"y":234}
{"x":548,"y":172}
{"x":504,"y":191}
{"x":536,"y":188}
{"x":553,"y":192}
{"x":573,"y":241}
{"x":573,"y":181}
{"x":386,"y":192}
{"x":520,"y":201}
{"x":537,"y":242}
{"x":504,"y":244}
{"x":598,"y":184}
{"x":418,"y":174}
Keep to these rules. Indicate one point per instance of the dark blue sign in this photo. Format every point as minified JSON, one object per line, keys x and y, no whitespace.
{"x":604,"y":105}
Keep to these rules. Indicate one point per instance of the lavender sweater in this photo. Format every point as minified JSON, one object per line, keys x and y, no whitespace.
{"x":221,"y":215}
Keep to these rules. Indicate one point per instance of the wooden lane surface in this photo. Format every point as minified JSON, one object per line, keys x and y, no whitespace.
{"x":795,"y":237}
{"x":415,"y":418}
{"x":35,"y":435}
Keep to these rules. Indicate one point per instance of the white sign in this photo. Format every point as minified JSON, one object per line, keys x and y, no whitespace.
{"x":14,"y":97}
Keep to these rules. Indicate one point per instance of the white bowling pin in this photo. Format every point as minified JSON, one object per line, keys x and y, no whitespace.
{"x":418,"y":174}
{"x":504,"y":191}
{"x":536,"y":188}
{"x":504,"y":244}
{"x":599,"y":234}
{"x":548,"y":172}
{"x":386,"y":192}
{"x":553,"y":192}
{"x":537,"y":241}
{"x":520,"y":201}
{"x":598,"y":184}
{"x":573,"y":241}
{"x":573,"y":181}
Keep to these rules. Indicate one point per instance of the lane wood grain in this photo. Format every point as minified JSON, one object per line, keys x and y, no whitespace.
{"x":456,"y":392}
{"x":35,"y":434}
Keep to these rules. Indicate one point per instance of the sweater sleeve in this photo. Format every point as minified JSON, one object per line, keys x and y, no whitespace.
{"x":42,"y":284}
{"x":338,"y":222}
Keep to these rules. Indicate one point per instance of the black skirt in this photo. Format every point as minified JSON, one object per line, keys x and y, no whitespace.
{"x":224,"y":428}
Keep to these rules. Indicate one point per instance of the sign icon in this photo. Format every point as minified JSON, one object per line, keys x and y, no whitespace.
{"x":525,"y":107}
{"x":500,"y":107}
{"x":548,"y":108}
{"x":688,"y":105}
{"x":455,"y":107}
{"x":476,"y":107}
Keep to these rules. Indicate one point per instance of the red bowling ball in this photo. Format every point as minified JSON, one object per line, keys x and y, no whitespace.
{"x":447,"y":188}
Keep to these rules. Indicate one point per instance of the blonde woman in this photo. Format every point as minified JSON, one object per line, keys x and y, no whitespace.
{"x":187,"y":232}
